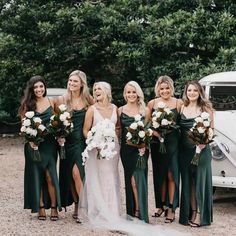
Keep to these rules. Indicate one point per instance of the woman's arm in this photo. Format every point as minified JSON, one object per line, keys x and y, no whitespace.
{"x":88,"y":121}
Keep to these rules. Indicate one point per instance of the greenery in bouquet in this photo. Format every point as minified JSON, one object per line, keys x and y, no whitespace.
{"x":34,"y":131}
{"x":163,"y":122}
{"x":201,"y":133}
{"x":101,"y":138}
{"x":61,"y":125}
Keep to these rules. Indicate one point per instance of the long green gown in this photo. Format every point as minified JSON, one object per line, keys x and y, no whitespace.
{"x":129,"y":158}
{"x":34,"y":175}
{"x":162,"y":163}
{"x":74,"y":146}
{"x":201,"y":175}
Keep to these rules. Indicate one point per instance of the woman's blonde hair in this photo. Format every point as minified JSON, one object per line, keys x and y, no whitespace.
{"x":106,"y":88}
{"x":202,"y":101}
{"x":167,"y":80}
{"x":84,"y":90}
{"x":140,"y":95}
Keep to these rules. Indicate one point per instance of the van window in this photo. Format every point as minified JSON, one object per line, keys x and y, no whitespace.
{"x":223,"y":97}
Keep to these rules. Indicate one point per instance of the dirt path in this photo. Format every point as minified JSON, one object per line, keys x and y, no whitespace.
{"x":16,"y":221}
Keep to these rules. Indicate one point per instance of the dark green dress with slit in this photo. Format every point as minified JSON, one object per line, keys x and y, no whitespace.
{"x":74,"y":146}
{"x":162,"y":163}
{"x":201,"y":175}
{"x":129,"y":158}
{"x":34,"y":174}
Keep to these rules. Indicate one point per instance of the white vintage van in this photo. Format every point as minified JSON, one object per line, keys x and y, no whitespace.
{"x":220,"y":88}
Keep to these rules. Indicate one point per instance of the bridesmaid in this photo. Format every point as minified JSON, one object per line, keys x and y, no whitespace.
{"x":196,"y":193}
{"x":41,"y":187}
{"x":136,"y":189}
{"x":71,"y":170}
{"x":165,"y":166}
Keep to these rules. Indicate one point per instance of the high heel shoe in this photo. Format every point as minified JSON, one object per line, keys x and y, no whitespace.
{"x":168,"y":219}
{"x":75,"y":214}
{"x":159,"y":212}
{"x":196,"y":224}
{"x":54,"y":217}
{"x":137,"y":213}
{"x":43,"y":216}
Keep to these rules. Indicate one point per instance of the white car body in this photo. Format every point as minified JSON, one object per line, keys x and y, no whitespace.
{"x":220,"y":88}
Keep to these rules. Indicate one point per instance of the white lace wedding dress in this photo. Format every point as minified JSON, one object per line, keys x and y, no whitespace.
{"x":100,"y":200}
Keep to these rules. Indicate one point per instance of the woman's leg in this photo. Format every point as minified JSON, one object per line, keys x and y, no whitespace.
{"x":42,"y":213}
{"x":171,"y":189}
{"x":135,"y":193}
{"x":53,"y":197}
{"x":76,"y":189}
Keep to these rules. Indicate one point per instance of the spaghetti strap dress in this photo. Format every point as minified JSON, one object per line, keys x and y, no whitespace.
{"x":74,"y":146}
{"x":201,"y":175}
{"x":129,"y":158}
{"x":162,"y":163}
{"x":34,"y":173}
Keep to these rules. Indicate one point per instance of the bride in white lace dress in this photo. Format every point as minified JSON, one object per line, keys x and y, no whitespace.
{"x":100,"y":199}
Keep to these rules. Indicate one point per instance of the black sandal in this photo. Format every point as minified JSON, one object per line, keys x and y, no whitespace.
{"x":54,"y":217}
{"x":167,"y":219}
{"x":194,"y":224}
{"x":75,"y":214}
{"x":158,"y":214}
{"x":42,"y":217}
{"x":191,"y":220}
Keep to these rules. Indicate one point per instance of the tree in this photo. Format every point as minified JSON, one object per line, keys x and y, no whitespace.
{"x":115,"y":41}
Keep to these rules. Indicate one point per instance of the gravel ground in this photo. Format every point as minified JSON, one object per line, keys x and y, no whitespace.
{"x":14,"y":220}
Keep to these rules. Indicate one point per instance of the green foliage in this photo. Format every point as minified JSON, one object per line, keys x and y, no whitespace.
{"x":115,"y":41}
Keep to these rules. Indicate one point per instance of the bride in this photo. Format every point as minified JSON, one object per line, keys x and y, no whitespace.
{"x":100,"y":199}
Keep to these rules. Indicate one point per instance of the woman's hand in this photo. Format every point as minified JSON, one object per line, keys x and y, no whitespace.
{"x":33,"y":145}
{"x":201,"y":146}
{"x":61,"y":141}
{"x":156,"y":134}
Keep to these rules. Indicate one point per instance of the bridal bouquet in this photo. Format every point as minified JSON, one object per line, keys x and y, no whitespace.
{"x":101,"y":137}
{"x":140,"y":136}
{"x":34,"y":131}
{"x":61,"y":125}
{"x":201,"y":133}
{"x":163,"y":122}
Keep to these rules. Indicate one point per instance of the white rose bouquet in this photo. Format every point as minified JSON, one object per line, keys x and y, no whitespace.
{"x":140,"y":136}
{"x":201,"y":133}
{"x":61,"y":125}
{"x":34,"y":131}
{"x":102,"y":138}
{"x":163,"y":122}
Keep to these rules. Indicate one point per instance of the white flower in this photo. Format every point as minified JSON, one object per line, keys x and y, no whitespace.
{"x":155,"y":124}
{"x":164,"y":122}
{"x":138,"y":117}
{"x":67,"y":114}
{"x":33,"y":132}
{"x":167,"y":110}
{"x":37,"y":120}
{"x":26,"y":122}
{"x":29,"y":114}
{"x":128,"y":136}
{"x":141,"y":134}
{"x":22,"y":129}
{"x":150,"y":132}
{"x":28,"y":130}
{"x":201,"y":130}
{"x":133,"y":126}
{"x":206,"y":123}
{"x":62,"y":107}
{"x":199,"y":119}
{"x":41,"y":127}
{"x":205,"y":115}
{"x":94,"y":128}
{"x":62,"y":117}
{"x":140,"y":123}
{"x":161,"y":105}
{"x":66,"y":123}
{"x":158,"y":114}
{"x":52,"y":117}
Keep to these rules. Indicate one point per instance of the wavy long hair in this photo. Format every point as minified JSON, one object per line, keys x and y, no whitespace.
{"x":84,"y":90}
{"x":28,"y":102}
{"x":202,"y":101}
